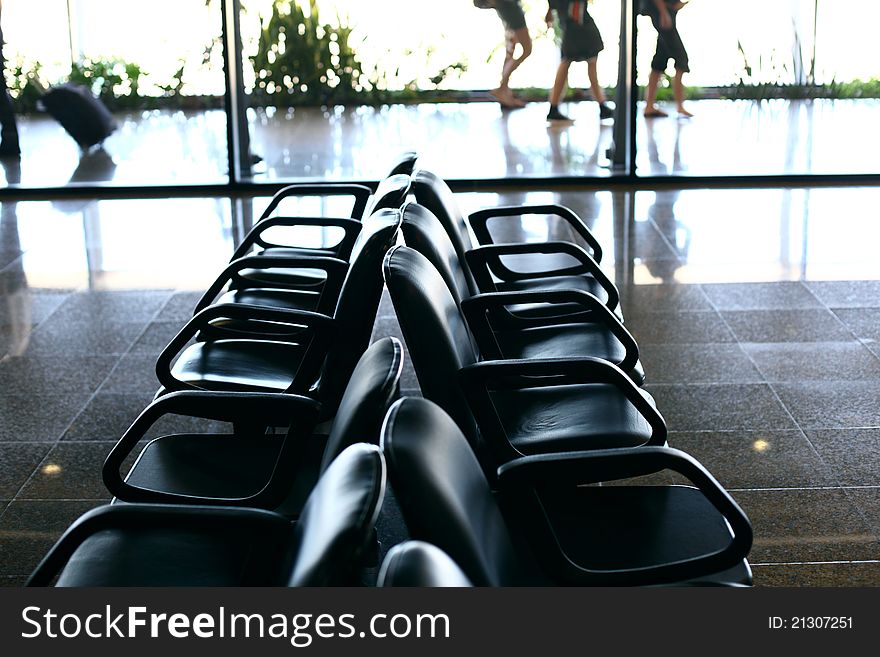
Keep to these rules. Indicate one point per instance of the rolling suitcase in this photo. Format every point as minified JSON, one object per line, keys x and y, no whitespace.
{"x":85,"y":117}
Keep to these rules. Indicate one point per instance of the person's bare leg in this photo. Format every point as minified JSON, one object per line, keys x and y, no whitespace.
{"x":595,"y":87}
{"x":559,"y":83}
{"x":511,"y":62}
{"x":651,"y":108}
{"x":678,"y":91}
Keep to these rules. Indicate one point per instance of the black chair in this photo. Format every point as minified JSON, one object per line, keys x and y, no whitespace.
{"x":159,"y":545}
{"x":262,"y":349}
{"x":501,"y":332}
{"x":512,"y":407}
{"x":244,"y":469}
{"x":562,"y":265}
{"x":416,"y":563}
{"x":553,"y":526}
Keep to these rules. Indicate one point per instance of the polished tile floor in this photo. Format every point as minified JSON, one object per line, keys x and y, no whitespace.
{"x":460,"y":140}
{"x":757,"y":312}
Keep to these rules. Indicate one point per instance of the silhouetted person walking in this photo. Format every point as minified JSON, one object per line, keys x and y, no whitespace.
{"x":581,"y":42}
{"x":669,"y":46}
{"x":515,"y":33}
{"x":8,"y":129}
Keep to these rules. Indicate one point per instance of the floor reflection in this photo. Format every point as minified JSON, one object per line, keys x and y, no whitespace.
{"x":461,"y":140}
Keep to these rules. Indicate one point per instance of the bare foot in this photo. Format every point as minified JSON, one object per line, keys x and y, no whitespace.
{"x":505,"y":97}
{"x":654,"y":112}
{"x":683,"y":113}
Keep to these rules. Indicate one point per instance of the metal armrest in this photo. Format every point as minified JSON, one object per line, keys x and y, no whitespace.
{"x":147,"y":516}
{"x":479,"y":310}
{"x":479,"y":222}
{"x":579,"y":468}
{"x":478,"y":379}
{"x":322,"y":331}
{"x":267,"y":409}
{"x":361,"y":194}
{"x":335,"y":269}
{"x":351,"y":228}
{"x":485,"y":262}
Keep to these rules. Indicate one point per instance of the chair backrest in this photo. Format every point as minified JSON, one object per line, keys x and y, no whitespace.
{"x":435,"y":331}
{"x":405,"y":163}
{"x":374,"y":384}
{"x":443,"y":493}
{"x":432,"y":192}
{"x":358,"y":304}
{"x":390,"y":194}
{"x":336,"y":524}
{"x":416,"y":563}
{"x":423,"y":232}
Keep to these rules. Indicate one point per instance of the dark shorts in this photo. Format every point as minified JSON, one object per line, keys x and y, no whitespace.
{"x":511,"y":14}
{"x":669,"y":46}
{"x":581,"y":42}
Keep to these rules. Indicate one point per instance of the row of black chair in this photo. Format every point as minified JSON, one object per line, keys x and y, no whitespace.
{"x":525,"y":434}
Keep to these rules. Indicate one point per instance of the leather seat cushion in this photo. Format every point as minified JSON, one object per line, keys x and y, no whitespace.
{"x":570,"y":418}
{"x":239,"y":365}
{"x":272,"y":298}
{"x":566,"y":341}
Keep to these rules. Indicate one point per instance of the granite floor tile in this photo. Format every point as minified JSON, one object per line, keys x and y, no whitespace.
{"x":756,"y":459}
{"x":54,"y":338}
{"x":815,"y":325}
{"x":35,"y":308}
{"x":852,"y":454}
{"x":133,"y":374}
{"x":847,"y":294}
{"x":807,"y":525}
{"x":874,"y":347}
{"x":32,"y":417}
{"x":156,"y":337}
{"x":720,"y":407}
{"x":863,"y":322}
{"x":179,"y":307}
{"x":760,"y":296}
{"x":867,"y":501}
{"x":29,"y":528}
{"x":698,"y":363}
{"x":832,"y":404}
{"x":55,"y":374}
{"x":70,"y":471}
{"x":107,"y":416}
{"x":97,"y":308}
{"x":678,"y":328}
{"x":12,"y":581}
{"x":818,"y":574}
{"x":17,"y":462}
{"x":663,"y":298}
{"x":816,"y":361}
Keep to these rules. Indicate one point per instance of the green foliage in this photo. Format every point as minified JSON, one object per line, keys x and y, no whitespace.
{"x":26,"y":84}
{"x":114,"y":81}
{"x":299,"y":60}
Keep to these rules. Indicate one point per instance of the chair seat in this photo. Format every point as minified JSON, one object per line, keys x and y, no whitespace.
{"x":175,"y":556}
{"x":255,"y":365}
{"x":610,"y":527}
{"x":226,"y":466}
{"x":273,"y":298}
{"x":574,"y":282}
{"x":570,"y":418}
{"x":566,"y":340}
{"x":295,"y":277}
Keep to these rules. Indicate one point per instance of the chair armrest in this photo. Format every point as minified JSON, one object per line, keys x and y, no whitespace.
{"x":147,"y":516}
{"x":335,"y":269}
{"x":485,"y":262}
{"x":268,"y":409}
{"x":361,"y":194}
{"x":478,"y":379}
{"x":479,"y":222}
{"x":350,"y":227}
{"x":522,"y":476}
{"x":479,"y":310}
{"x":323,"y":330}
